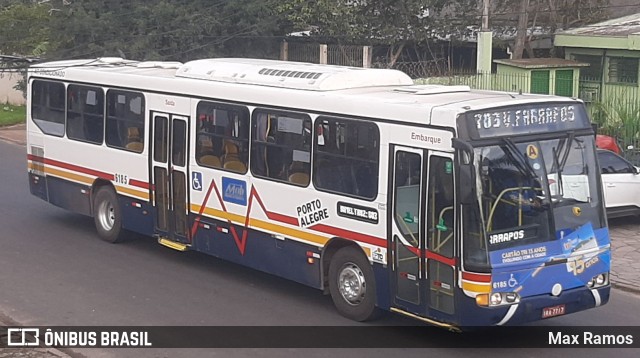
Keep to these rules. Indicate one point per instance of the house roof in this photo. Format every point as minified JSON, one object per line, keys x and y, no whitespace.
{"x":619,"y":27}
{"x":541,"y":63}
{"x":622,"y":33}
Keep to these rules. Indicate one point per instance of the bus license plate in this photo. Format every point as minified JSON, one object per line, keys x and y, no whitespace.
{"x":553,"y":311}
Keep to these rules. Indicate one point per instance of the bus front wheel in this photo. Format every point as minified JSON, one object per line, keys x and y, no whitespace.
{"x":107,"y":215}
{"x":352,"y":285}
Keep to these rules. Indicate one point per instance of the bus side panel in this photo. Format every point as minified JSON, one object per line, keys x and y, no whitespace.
{"x":137,"y":215}
{"x":38,"y":186}
{"x":284,"y":258}
{"x":383,"y":297}
{"x":69,"y":195}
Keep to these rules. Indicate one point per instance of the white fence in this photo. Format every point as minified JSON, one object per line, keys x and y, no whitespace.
{"x":343,"y":55}
{"x":7,"y":93}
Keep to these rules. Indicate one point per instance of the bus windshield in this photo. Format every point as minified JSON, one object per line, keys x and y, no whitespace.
{"x":537,"y":191}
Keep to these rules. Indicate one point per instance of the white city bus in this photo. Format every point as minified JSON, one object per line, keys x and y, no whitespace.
{"x":452,"y":206}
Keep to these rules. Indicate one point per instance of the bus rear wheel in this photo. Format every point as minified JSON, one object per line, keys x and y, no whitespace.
{"x":107,"y":215}
{"x":352,"y":285}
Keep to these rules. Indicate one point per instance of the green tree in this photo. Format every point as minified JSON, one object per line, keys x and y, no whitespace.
{"x":164,"y":29}
{"x":551,"y":15}
{"x":25,"y":29}
{"x":392,"y":22}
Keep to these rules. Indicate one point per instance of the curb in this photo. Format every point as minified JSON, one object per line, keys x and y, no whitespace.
{"x":8,"y":134}
{"x":14,"y":141}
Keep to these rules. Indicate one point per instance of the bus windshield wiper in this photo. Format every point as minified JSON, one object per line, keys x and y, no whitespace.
{"x":519,"y":159}
{"x":565,"y":153}
{"x":564,"y":147}
{"x":556,"y":164}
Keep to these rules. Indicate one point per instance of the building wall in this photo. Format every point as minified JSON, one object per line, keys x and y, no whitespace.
{"x":7,"y":93}
{"x":607,"y":90}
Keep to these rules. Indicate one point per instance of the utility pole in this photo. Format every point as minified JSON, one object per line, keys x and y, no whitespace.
{"x":485,"y":47}
{"x":485,"y":15}
{"x":485,"y":39}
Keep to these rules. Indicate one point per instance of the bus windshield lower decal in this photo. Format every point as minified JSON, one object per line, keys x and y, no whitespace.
{"x":535,"y":269}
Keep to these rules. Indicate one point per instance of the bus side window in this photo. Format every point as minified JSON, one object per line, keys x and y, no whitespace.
{"x":125,"y":120}
{"x":346,"y":157}
{"x":85,"y":113}
{"x":281,"y":147}
{"x":48,"y":106}
{"x":222,"y":136}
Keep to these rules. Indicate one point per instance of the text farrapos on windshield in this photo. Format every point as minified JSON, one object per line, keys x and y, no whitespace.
{"x":506,"y":237}
{"x":425,"y":138}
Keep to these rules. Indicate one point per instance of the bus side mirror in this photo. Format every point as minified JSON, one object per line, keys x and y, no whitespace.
{"x":466,"y":173}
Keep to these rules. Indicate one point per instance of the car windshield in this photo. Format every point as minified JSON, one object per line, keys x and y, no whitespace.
{"x":536,"y":191}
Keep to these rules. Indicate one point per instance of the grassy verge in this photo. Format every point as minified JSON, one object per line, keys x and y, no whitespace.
{"x":10,"y":115}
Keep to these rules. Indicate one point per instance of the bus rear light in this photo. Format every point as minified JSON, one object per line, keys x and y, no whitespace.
{"x":310,"y":260}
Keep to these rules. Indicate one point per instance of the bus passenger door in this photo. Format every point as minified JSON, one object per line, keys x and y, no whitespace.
{"x":407,"y":234}
{"x":440,"y":229}
{"x":169,"y":175}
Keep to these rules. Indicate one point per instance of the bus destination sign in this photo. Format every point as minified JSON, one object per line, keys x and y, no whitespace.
{"x":536,"y":118}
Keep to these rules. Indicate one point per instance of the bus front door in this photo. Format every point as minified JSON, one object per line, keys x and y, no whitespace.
{"x":407,"y":234}
{"x":422,"y":232}
{"x":169,"y":176}
{"x":440,"y":238}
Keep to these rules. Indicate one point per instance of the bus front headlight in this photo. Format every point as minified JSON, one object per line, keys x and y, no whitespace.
{"x":497,"y":299}
{"x":599,"y":281}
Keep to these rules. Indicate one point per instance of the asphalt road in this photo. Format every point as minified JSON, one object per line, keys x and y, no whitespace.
{"x":55,"y":271}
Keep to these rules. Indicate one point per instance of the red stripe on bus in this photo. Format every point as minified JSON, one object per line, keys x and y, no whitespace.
{"x":445,"y":260}
{"x":346,"y":234}
{"x":271,"y":215}
{"x":476,"y":277}
{"x":196,"y":221}
{"x":79,"y":169}
{"x":432,"y":256}
{"x":71,"y":167}
{"x":282,"y":218}
{"x":139,"y":183}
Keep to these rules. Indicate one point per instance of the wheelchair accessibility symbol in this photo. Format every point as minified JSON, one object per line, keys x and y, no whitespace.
{"x":196,"y":181}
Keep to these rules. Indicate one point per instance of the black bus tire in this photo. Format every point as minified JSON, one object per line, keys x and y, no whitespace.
{"x":107,"y":215}
{"x":352,"y":285}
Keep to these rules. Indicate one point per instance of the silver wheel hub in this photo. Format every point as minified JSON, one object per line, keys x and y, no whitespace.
{"x":106,"y":215}
{"x":352,"y":284}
